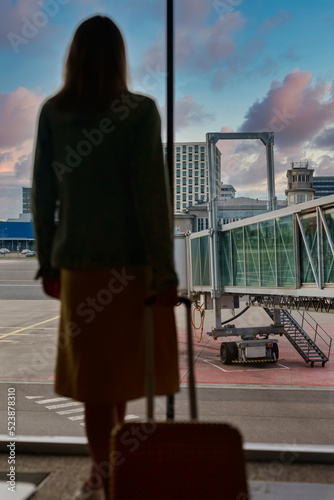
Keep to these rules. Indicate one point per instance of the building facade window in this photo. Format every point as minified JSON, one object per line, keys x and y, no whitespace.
{"x":202,"y":223}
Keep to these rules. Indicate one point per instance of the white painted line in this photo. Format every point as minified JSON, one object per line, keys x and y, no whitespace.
{"x":34,"y":397}
{"x":77,"y":417}
{"x":64,"y":405}
{"x":73,"y":410}
{"x":21,"y":285}
{"x":129,"y":417}
{"x":83,"y":424}
{"x":23,"y":381}
{"x":222,"y":369}
{"x":53,"y":400}
{"x":266,"y":387}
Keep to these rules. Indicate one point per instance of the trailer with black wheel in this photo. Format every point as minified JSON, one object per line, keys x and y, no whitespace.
{"x":255,"y":345}
{"x":249,"y":351}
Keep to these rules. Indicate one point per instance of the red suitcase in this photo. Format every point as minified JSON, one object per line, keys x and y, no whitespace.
{"x":176,"y":460}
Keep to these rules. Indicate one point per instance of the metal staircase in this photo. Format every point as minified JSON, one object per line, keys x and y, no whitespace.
{"x":300,"y":340}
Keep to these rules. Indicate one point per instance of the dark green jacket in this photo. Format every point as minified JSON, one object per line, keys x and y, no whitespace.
{"x":106,"y":172}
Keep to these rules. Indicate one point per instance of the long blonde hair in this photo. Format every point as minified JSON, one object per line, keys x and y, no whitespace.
{"x":96,"y":67}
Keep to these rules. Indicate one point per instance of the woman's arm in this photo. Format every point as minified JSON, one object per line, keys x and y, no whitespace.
{"x":44,"y":195}
{"x":151,"y":193}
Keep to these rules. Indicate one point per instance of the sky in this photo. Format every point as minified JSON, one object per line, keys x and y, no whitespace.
{"x":240,"y":65}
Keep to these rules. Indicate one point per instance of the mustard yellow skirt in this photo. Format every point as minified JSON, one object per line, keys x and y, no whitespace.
{"x":102,"y":331}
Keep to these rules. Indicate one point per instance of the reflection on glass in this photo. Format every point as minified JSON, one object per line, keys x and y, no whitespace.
{"x":205,"y":261}
{"x":285,"y":252}
{"x":267,"y":253}
{"x":195,"y":262}
{"x":200,"y":260}
{"x":226,"y":261}
{"x":328,"y":257}
{"x":238,"y":257}
{"x":310,"y":230}
{"x":252,"y":255}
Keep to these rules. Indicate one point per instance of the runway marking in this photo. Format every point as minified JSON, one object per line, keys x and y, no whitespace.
{"x":53,"y":400}
{"x":20,"y":285}
{"x":72,"y":410}
{"x":131,"y":416}
{"x":64,"y":405}
{"x":33,"y":397}
{"x":77,"y":417}
{"x":247,"y":369}
{"x":29,"y":327}
{"x":220,"y":368}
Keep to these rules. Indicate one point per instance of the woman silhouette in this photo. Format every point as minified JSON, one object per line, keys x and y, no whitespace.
{"x":102,"y":220}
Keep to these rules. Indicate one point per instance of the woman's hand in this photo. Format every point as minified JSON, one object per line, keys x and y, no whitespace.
{"x":51,"y":286}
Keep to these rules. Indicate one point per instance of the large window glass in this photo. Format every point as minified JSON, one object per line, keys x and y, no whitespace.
{"x":252,"y":255}
{"x":286,"y":273}
{"x":267,"y":253}
{"x":309,"y":250}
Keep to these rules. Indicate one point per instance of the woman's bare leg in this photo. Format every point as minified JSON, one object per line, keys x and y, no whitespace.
{"x":100,"y":419}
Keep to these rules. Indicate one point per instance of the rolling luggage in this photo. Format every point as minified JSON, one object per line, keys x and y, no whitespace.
{"x":177,"y":460}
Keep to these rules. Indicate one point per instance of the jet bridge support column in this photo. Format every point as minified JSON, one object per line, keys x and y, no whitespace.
{"x":214,"y":232}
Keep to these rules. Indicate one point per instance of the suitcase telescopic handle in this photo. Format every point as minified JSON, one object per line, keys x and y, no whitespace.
{"x":191,"y":383}
{"x":150,"y":365}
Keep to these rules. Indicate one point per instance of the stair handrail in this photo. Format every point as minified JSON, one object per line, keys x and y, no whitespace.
{"x":316,"y":333}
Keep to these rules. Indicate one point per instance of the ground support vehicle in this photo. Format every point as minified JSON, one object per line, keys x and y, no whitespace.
{"x":255,"y":345}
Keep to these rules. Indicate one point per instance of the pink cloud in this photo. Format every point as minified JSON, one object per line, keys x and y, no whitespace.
{"x":295,"y":110}
{"x":197,"y":47}
{"x":187,"y":111}
{"x":268,"y":25}
{"x":18,"y":111}
{"x":191,"y":10}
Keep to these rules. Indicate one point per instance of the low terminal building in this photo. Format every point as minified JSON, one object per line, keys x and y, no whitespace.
{"x":16,"y":236}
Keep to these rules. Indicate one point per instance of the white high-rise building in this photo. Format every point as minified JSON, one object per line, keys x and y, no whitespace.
{"x":191,"y":182}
